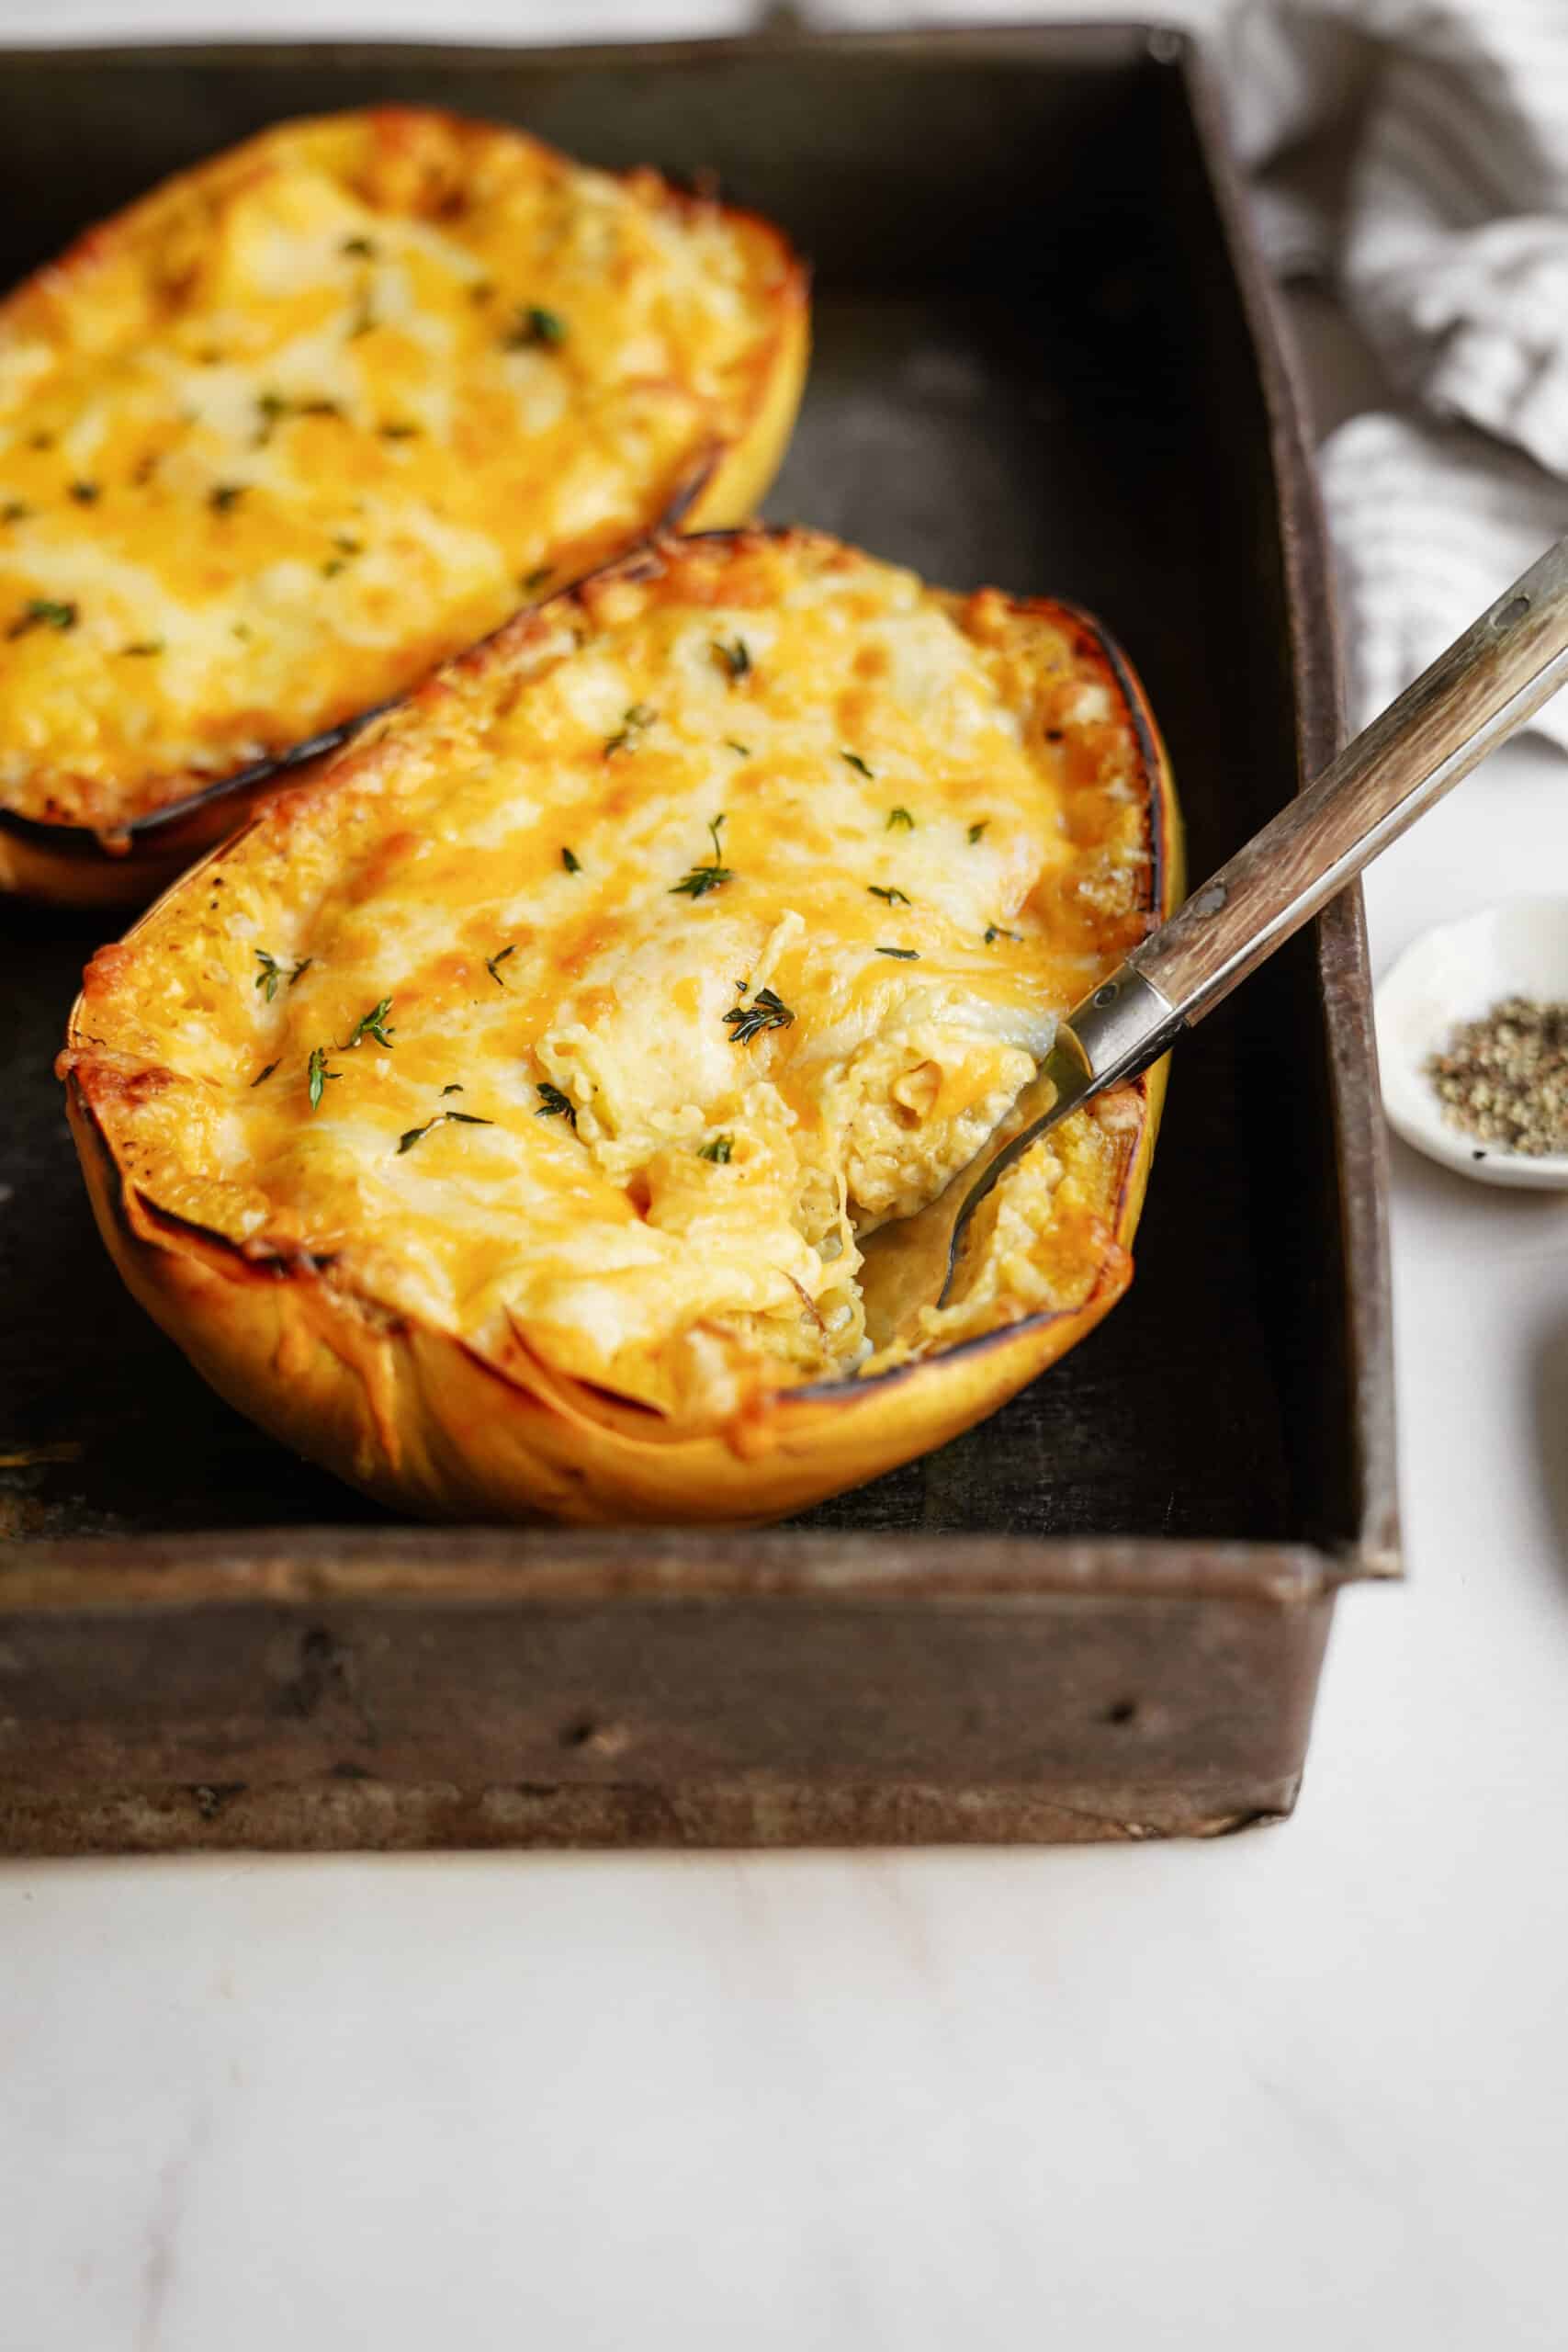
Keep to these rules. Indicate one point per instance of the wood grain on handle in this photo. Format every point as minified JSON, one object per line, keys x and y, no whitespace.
{"x":1487,"y":683}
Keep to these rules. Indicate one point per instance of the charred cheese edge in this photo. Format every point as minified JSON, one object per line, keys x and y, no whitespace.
{"x":593,"y":1009}
{"x":311,"y":417}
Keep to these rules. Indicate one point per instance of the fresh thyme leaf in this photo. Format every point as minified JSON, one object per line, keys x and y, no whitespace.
{"x":713,"y":876}
{"x":226,"y":496}
{"x":261,"y":1074}
{"x":977,"y":829}
{"x":454,"y":1089}
{"x":359,"y":246}
{"x":271,"y":409}
{"x":701,"y":880}
{"x":272,"y":971}
{"x":84,"y":493}
{"x":144,"y":645}
{"x":536,"y":330}
{"x":371,"y":1024}
{"x":633,"y":722}
{"x":319,"y":1075}
{"x":498,"y":957}
{"x":720,"y":1150}
{"x":899,"y":821}
{"x":765,"y":1010}
{"x":530,"y":581}
{"x":400,"y":428}
{"x":744,"y":748}
{"x":995,"y":932}
{"x":14,"y":511}
{"x":733,"y":657}
{"x":411,"y":1136}
{"x":334,"y":565}
{"x":318,"y":408}
{"x":906,"y":954}
{"x":884,"y":891}
{"x":572,"y":862}
{"x":855,"y":761}
{"x":42,"y":612}
{"x":554,"y":1104}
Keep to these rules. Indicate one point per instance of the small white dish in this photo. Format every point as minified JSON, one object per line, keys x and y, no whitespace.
{"x":1449,"y":975}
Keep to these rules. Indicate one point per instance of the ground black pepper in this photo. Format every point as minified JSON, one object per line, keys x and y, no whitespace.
{"x":1504,"y":1078}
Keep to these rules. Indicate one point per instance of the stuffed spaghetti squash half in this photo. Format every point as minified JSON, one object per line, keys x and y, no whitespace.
{"x":314,"y":415}
{"x":499,"y":1117}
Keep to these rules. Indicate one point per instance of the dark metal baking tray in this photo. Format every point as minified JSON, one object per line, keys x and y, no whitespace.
{"x":1045,"y":357}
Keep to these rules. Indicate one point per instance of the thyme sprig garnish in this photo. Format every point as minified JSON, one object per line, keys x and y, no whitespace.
{"x":534,"y":329}
{"x":905,"y":955}
{"x":571,"y":860}
{"x":734,"y":658}
{"x":42,"y":612}
{"x":371,"y":1024}
{"x":995,"y":932}
{"x":766,"y":1010}
{"x":498,"y":957}
{"x":554,"y":1104}
{"x":899,"y":821}
{"x":272,"y":973}
{"x":976,"y":829}
{"x":712,"y":875}
{"x":319,"y":1075}
{"x":635,"y":723}
{"x":224,"y":496}
{"x":731,"y":745}
{"x":145,"y":647}
{"x":454,"y":1089}
{"x":411,"y":1136}
{"x":262,"y":1074}
{"x":886,"y":890}
{"x":855,"y":761}
{"x":360,"y":247}
{"x":86,"y":493}
{"x":720,"y":1150}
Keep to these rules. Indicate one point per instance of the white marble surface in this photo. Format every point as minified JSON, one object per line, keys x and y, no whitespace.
{"x":1302,"y":2088}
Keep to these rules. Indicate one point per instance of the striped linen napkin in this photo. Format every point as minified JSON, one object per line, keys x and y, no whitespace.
{"x":1416,"y":153}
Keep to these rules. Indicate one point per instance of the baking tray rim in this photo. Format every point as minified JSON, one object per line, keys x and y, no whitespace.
{"x":674,"y":1563}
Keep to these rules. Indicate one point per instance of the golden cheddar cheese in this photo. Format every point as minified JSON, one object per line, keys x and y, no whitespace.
{"x":311,"y":417}
{"x":498,"y":1116}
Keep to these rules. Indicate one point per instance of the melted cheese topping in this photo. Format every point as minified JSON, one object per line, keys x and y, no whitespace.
{"x":645,"y":961}
{"x":315,"y":415}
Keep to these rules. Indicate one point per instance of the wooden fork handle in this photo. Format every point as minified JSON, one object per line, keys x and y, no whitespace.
{"x":1487,"y":683}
